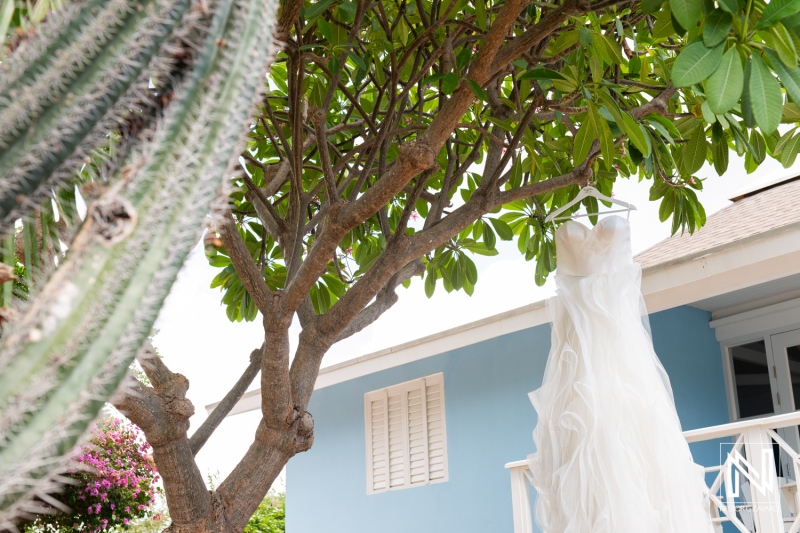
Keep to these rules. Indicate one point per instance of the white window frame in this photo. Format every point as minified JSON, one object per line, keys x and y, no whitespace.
{"x":752,"y":326}
{"x":403,"y":389}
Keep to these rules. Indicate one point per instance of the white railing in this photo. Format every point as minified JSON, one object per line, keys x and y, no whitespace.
{"x":749,"y":490}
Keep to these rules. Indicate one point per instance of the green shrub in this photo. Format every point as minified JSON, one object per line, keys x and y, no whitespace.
{"x":270,"y":517}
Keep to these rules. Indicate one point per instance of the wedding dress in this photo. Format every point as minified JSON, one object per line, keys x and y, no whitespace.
{"x":610,"y":456}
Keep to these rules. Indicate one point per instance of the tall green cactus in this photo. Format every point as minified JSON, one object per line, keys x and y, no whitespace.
{"x":63,"y":92}
{"x":70,"y":350}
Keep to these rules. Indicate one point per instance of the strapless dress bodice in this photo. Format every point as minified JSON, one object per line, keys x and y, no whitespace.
{"x":582,"y":251}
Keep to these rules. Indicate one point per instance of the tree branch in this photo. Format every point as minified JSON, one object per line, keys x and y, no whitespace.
{"x":290,"y":13}
{"x":545,"y":27}
{"x":243,"y":263}
{"x":265,"y":210}
{"x":318,"y":118}
{"x":163,"y":413}
{"x":199,"y":437}
{"x":385,"y":299}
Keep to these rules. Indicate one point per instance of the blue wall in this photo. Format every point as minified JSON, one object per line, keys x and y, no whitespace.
{"x":489,"y":423}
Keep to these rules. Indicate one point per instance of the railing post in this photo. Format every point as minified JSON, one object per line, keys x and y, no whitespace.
{"x":764,"y":490}
{"x":520,"y":498}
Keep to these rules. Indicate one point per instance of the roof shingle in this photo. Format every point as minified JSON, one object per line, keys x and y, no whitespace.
{"x":767,"y":211}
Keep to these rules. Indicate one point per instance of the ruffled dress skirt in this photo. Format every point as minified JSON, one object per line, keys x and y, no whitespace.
{"x":610,"y":456}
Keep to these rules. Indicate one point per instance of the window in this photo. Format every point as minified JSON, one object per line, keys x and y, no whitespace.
{"x":405,"y":435}
{"x":751,"y":379}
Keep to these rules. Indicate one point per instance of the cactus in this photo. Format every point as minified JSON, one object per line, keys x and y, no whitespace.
{"x":64,"y":91}
{"x":70,"y":350}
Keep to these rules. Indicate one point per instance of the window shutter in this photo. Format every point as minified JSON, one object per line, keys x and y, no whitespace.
{"x":397,"y":433}
{"x":406,"y":438}
{"x":417,"y":433}
{"x":437,"y":445}
{"x":377,"y":430}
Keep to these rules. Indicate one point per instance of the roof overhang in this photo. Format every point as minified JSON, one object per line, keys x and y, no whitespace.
{"x":761,"y":259}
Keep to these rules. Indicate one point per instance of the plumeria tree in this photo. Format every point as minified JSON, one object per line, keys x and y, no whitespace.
{"x":114,"y":483}
{"x":397,"y":138}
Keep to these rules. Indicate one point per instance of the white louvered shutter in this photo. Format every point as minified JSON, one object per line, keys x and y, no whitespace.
{"x":377,"y":461}
{"x":406,"y":438}
{"x":397,"y":437}
{"x":437,"y":444}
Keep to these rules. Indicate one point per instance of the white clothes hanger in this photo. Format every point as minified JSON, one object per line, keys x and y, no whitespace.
{"x":590,"y":191}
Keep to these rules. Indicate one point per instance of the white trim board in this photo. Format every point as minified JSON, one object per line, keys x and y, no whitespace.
{"x":728,"y":268}
{"x":766,"y":320}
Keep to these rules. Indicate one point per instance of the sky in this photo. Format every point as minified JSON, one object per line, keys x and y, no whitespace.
{"x":196,"y":339}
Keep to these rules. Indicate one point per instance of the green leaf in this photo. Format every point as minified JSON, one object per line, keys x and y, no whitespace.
{"x":586,"y":37}
{"x":541,"y":73}
{"x":721,"y":155}
{"x":790,"y":150}
{"x":695,"y":63}
{"x":611,"y":106}
{"x":686,"y":12}
{"x":347,"y":10}
{"x":766,"y":99}
{"x":470,"y":269}
{"x":694,"y":153}
{"x":477,"y":90}
{"x":651,"y":6}
{"x":524,"y":238}
{"x":724,"y":87}
{"x":731,"y":6}
{"x":716,"y":27}
{"x":402,"y":29}
{"x":449,"y":83}
{"x":777,"y":10}
{"x":781,"y":144}
{"x":480,"y":14}
{"x":784,"y":45}
{"x":791,"y":113}
{"x":430,"y":284}
{"x":502,"y":229}
{"x":663,"y":27}
{"x":792,"y":22}
{"x":583,"y":140}
{"x":636,"y":134}
{"x":658,"y":190}
{"x":613,"y":49}
{"x":357,"y":60}
{"x":325,"y":29}
{"x":604,"y":135}
{"x":488,"y":237}
{"x":562,"y":42}
{"x":667,"y":206}
{"x":540,"y":275}
{"x":316,"y":9}
{"x":481,"y":250}
{"x":790,"y":78}
{"x":429,"y":80}
{"x":759,"y":147}
{"x":697,"y":207}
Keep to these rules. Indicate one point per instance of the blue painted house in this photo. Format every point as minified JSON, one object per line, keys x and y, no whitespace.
{"x":432,"y":435}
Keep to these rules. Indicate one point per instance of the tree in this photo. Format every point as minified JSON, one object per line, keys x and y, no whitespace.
{"x":397,"y":138}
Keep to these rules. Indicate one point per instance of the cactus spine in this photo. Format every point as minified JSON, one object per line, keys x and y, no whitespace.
{"x":71,"y":349}
{"x":62,"y":97}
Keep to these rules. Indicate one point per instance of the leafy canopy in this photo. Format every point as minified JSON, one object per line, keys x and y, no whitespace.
{"x":649,"y":90}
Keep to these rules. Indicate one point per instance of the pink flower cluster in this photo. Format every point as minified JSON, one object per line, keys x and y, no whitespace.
{"x":116,"y":485}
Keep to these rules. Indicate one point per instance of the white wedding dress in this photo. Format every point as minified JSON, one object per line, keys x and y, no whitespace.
{"x":610,"y":456}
